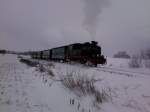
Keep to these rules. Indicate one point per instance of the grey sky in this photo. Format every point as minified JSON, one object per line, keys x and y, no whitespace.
{"x":41,"y":24}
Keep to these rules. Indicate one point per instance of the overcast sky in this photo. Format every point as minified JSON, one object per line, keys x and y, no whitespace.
{"x":41,"y":24}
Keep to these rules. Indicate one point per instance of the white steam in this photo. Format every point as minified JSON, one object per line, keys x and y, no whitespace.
{"x":92,"y":10}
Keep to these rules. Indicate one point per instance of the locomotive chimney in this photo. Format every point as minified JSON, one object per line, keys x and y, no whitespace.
{"x":94,"y":43}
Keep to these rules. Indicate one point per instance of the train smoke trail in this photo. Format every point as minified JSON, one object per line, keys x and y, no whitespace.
{"x":92,"y":10}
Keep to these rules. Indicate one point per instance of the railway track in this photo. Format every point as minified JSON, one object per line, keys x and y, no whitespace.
{"x":122,"y":72}
{"x":118,"y":71}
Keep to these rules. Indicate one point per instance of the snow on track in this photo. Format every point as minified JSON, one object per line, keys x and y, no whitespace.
{"x":123,"y":72}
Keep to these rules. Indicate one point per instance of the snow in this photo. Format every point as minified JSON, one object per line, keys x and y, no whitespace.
{"x":123,"y":64}
{"x":24,"y":89}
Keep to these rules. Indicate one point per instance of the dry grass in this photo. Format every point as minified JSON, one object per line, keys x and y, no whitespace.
{"x":82,"y":85}
{"x":42,"y":68}
{"x":29,"y":62}
{"x":47,"y":68}
{"x":147,"y":63}
{"x":135,"y":62}
{"x":50,"y":72}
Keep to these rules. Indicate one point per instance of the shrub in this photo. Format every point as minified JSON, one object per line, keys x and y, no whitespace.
{"x":29,"y":62}
{"x":147,"y":63}
{"x":41,"y":68}
{"x":50,"y":72}
{"x":101,"y":96}
{"x":45,"y":68}
{"x":121,"y":54}
{"x":51,"y":65}
{"x":82,"y":85}
{"x":135,"y":62}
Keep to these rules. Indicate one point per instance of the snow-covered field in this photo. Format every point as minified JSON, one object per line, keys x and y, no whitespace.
{"x":24,"y":89}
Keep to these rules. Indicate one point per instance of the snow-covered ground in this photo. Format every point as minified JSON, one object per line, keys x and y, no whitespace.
{"x":123,"y":64}
{"x":24,"y":89}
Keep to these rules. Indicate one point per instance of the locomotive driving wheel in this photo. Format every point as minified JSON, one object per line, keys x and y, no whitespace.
{"x":82,"y":61}
{"x":89,"y":63}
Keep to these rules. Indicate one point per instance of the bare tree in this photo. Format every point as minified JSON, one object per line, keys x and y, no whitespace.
{"x":135,"y":62}
{"x":122,"y":54}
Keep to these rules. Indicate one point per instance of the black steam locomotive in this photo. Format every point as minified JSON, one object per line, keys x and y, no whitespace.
{"x":85,"y":53}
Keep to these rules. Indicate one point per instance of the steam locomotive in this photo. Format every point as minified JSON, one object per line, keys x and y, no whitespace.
{"x":86,"y":53}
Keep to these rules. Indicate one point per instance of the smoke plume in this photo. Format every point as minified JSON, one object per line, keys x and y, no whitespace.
{"x":92,"y":9}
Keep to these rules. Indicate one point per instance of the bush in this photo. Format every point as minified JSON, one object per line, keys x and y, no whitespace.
{"x":101,"y":96}
{"x":50,"y":72}
{"x":121,"y":54}
{"x":81,"y":85}
{"x":147,"y":63}
{"x":41,"y":68}
{"x":51,"y":65}
{"x":29,"y":62}
{"x":135,"y":62}
{"x":45,"y":68}
{"x":145,"y":54}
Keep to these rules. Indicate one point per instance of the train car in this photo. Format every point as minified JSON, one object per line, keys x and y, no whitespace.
{"x":85,"y":53}
{"x":36,"y":55}
{"x":58,"y":53}
{"x":46,"y":54}
{"x":39,"y":54}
